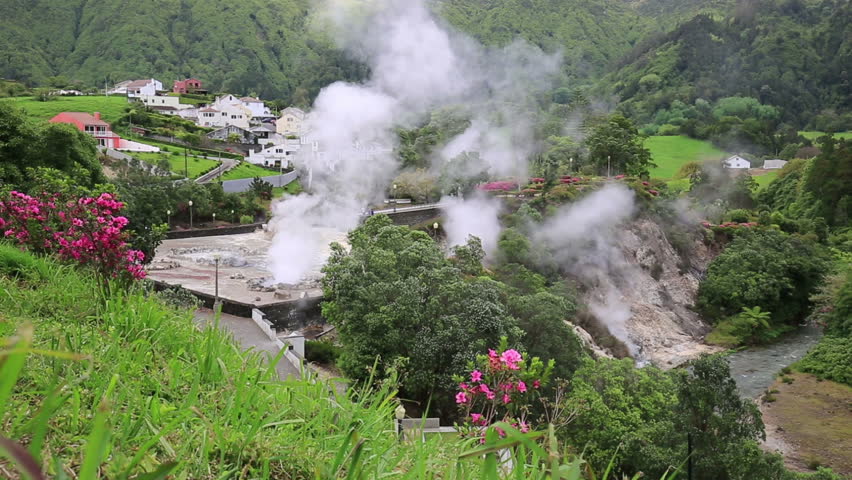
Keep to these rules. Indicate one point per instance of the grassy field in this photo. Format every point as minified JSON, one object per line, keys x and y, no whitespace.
{"x":814,"y":135}
{"x":815,"y":420}
{"x":765,"y":179}
{"x":247,"y":170}
{"x":111,"y":108}
{"x":197,"y":166}
{"x":292,"y":188}
{"x":670,"y":152}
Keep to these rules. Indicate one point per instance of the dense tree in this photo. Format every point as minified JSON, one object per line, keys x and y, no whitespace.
{"x":615,"y":147}
{"x":25,"y":145}
{"x":395,"y":297}
{"x":767,"y":269}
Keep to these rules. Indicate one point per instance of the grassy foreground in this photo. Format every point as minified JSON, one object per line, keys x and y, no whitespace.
{"x":671,"y":152}
{"x":111,"y":108}
{"x":247,"y":170}
{"x":120,"y":386}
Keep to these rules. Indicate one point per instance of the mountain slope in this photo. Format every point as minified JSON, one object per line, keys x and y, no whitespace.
{"x":790,"y":54}
{"x":252,"y":46}
{"x":265,"y":47}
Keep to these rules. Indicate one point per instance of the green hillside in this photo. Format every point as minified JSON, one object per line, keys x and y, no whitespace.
{"x":111,"y":108}
{"x":265,"y":47}
{"x":791,"y":54}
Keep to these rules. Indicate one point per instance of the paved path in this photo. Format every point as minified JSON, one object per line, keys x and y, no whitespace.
{"x":249,"y":336}
{"x":225,"y":165}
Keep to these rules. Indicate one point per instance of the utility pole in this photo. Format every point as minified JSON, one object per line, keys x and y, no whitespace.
{"x":185,"y":164}
{"x":608,"y":174}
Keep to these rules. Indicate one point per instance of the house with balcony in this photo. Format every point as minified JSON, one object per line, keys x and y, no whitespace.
{"x":140,"y":88}
{"x":290,"y":122}
{"x":165,"y":104}
{"x":190,"y":85}
{"x":278,"y":156}
{"x":101,"y":131}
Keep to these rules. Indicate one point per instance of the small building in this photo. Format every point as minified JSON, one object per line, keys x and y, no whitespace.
{"x":736,"y":162}
{"x":165,"y":104}
{"x":224,"y":134}
{"x":140,"y":88}
{"x":190,"y":85}
{"x":101,"y":131}
{"x":774,"y":164}
{"x":67,"y":93}
{"x":290,"y":122}
{"x":265,"y":134}
{"x":277,"y":156}
{"x":119,"y":88}
{"x":258,"y":109}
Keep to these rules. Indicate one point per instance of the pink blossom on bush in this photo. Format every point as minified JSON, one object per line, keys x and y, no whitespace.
{"x":476,"y":376}
{"x":511,"y":358}
{"x":461,"y":397}
{"x":522,"y":387}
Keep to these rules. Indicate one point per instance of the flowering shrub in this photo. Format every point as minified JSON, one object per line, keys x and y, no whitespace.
{"x":87,"y":230}
{"x":500,"y":388}
{"x":503,"y":186}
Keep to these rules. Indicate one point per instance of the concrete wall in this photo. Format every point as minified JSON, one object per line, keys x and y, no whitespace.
{"x":294,"y":344}
{"x":413,"y":217}
{"x":212,"y":232}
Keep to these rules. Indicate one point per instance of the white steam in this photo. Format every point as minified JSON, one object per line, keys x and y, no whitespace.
{"x":582,"y":238}
{"x":417,"y":65}
{"x":476,"y":216}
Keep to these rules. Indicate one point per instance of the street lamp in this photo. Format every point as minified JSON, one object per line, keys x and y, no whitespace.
{"x":435,"y":230}
{"x":399,"y":413}
{"x":394,"y":198}
{"x":214,"y":219}
{"x":607,"y":166}
{"x":190,"y":214}
{"x":169,"y":218}
{"x":234,"y":218}
{"x":216,"y":259}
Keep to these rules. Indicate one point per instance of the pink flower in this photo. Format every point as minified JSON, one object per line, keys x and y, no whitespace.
{"x":484,"y":388}
{"x":525,"y":427}
{"x":489,"y":395}
{"x":522,"y":387}
{"x":463,"y":386}
{"x":461,"y":397}
{"x":477,"y":418}
{"x":511,"y":358}
{"x":476,"y":376}
{"x":536,"y":384}
{"x":506,"y":398}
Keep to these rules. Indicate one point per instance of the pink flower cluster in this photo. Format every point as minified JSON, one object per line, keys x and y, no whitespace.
{"x":503,"y":186}
{"x":499,"y":390}
{"x":568,"y":179}
{"x":87,"y":230}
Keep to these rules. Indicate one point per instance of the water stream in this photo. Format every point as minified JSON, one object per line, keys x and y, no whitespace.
{"x":754,"y":369}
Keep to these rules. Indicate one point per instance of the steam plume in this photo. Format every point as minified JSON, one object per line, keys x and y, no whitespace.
{"x":417,"y":65}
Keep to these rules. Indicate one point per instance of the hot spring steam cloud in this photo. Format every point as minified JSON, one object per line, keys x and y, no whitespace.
{"x":417,"y":65}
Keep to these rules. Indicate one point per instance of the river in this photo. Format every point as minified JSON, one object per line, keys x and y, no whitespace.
{"x":755,"y":369}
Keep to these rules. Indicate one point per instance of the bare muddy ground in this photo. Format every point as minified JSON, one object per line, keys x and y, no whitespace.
{"x":810,"y":423}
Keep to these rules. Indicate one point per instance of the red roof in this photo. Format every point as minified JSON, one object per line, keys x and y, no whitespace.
{"x":79,"y":119}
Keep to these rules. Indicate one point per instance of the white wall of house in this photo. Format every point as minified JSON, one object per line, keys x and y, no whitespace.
{"x":737,"y":162}
{"x":163,"y":101}
{"x":150,"y":89}
{"x":277,"y":155}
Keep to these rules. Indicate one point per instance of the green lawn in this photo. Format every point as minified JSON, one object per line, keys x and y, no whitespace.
{"x":814,"y":135}
{"x":111,"y":108}
{"x":292,"y":188}
{"x":670,"y":152}
{"x":196,"y":166}
{"x":247,"y":170}
{"x":765,"y":179}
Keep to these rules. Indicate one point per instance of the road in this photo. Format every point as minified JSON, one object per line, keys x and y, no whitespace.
{"x":249,"y":337}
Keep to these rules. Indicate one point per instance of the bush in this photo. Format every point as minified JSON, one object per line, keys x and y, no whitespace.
{"x":318,"y":351}
{"x":739,"y":215}
{"x":831,"y":359}
{"x":246,"y":219}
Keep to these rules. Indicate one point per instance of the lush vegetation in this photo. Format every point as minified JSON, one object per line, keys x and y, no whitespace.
{"x":27,"y":145}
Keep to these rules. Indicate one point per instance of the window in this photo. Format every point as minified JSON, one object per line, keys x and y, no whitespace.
{"x":279,"y":150}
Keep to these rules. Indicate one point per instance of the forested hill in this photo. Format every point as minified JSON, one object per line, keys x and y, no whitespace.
{"x":250,"y":46}
{"x":264,"y":46}
{"x":792,"y":54}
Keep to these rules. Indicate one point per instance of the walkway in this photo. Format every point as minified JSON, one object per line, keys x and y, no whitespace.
{"x":249,"y":337}
{"x":224,"y":165}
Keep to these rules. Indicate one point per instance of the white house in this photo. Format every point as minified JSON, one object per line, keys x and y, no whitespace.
{"x":258,"y":110}
{"x":223,"y":116}
{"x":737,"y":161}
{"x":280,"y":155}
{"x":164,"y":104}
{"x":290,"y":122}
{"x":138,"y":88}
{"x":119,"y":88}
{"x":774,"y":164}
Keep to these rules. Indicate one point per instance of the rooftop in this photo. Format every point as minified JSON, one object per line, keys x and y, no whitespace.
{"x":80,"y":117}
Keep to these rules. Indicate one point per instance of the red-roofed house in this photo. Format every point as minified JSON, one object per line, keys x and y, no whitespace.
{"x":101,"y":130}
{"x":91,"y":124}
{"x":190,"y":85}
